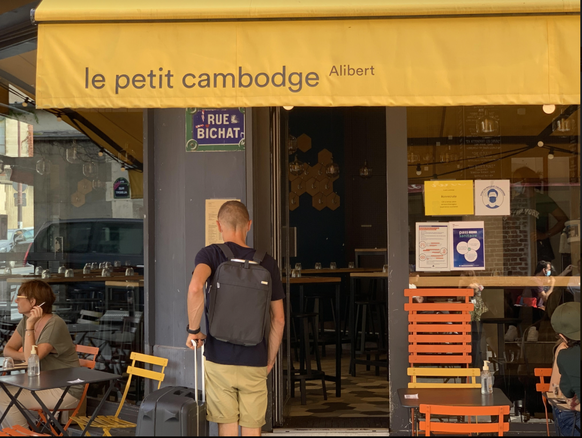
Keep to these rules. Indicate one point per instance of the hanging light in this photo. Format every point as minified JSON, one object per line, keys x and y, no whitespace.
{"x":563,"y":126}
{"x":291,"y":144}
{"x":549,"y":109}
{"x":296,"y":167}
{"x":551,"y":153}
{"x":71,"y":154}
{"x":288,"y":107}
{"x":365,"y":171}
{"x":43,"y":167}
{"x":540,"y":144}
{"x":418,"y":169}
{"x":487,"y":124}
{"x":332,"y":169}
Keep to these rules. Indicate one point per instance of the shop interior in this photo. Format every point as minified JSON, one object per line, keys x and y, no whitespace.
{"x":337,"y":210}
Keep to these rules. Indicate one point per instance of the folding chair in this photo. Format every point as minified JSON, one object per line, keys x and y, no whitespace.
{"x":19,"y":431}
{"x":108,"y":422}
{"x":85,"y":351}
{"x":544,"y":387}
{"x":464,"y":428}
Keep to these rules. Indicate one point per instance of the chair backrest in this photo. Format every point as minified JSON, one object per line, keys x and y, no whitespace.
{"x":134,"y":370}
{"x":89,"y":317}
{"x":447,"y":374}
{"x":131,"y":324}
{"x":439,"y":332}
{"x":84,"y":351}
{"x":472,"y":426}
{"x":541,"y":373}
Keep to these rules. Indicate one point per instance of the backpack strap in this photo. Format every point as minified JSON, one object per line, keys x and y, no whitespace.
{"x":259,"y":256}
{"x":226,"y":251}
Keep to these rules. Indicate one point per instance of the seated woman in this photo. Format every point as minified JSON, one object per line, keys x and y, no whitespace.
{"x":39,"y":326}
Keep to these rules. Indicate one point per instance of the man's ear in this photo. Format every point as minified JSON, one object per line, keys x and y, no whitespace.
{"x":249,"y":225}
{"x":219,"y":226}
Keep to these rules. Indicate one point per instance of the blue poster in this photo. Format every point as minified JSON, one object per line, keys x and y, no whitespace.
{"x":467,"y":245}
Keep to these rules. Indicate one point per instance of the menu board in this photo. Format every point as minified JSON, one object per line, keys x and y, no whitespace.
{"x":482,"y":143}
{"x":432,"y":242}
{"x":210,"y":217}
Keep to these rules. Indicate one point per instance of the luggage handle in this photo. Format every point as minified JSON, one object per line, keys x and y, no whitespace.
{"x":196,"y":373}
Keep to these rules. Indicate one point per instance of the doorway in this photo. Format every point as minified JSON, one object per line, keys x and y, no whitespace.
{"x":332,"y":200}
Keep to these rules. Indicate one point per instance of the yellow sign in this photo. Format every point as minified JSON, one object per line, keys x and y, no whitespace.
{"x":492,"y":60}
{"x":448,"y":198}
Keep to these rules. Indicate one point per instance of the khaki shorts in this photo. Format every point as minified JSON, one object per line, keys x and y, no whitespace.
{"x":236,"y":394}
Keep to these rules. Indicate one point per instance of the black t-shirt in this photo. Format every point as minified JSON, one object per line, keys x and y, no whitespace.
{"x":226,"y":353}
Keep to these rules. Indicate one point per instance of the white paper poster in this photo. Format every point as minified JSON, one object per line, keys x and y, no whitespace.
{"x":467,"y":246}
{"x":492,"y":197}
{"x":432,"y":246}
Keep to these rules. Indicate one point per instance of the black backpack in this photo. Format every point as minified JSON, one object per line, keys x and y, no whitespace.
{"x":239,"y":300}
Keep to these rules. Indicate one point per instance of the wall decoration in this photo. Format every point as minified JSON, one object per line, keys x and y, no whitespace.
{"x":319,"y":201}
{"x":332,"y":201}
{"x":325,"y":186}
{"x":303,"y":143}
{"x":293,"y":201}
{"x":312,"y":186}
{"x":77,"y":199}
{"x":84,"y":186}
{"x":298,"y":186}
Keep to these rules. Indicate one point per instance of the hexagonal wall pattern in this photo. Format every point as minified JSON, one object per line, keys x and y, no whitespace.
{"x":298,"y":186}
{"x":303,"y":143}
{"x":312,"y":186}
{"x":293,"y":201}
{"x":332,"y":201}
{"x":324,"y":157}
{"x":319,"y":201}
{"x":325,"y":186}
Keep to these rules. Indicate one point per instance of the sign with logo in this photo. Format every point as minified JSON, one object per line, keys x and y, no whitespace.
{"x":492,"y":197}
{"x":213,"y":129}
{"x":467,"y":245}
{"x":121,"y":189}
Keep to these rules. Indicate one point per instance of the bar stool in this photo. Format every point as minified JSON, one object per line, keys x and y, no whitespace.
{"x":367,"y":311}
{"x":305,"y":372}
{"x":320,"y":303}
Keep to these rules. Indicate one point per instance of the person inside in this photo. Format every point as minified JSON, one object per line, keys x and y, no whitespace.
{"x":55,"y":349}
{"x":565,"y":380}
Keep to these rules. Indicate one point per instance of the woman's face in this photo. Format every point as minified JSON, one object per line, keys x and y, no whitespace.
{"x":24,"y":304}
{"x":547,"y":270}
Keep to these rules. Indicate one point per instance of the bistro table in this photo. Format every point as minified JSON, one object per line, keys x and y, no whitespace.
{"x":84,"y":328}
{"x":301,"y":282}
{"x":448,"y":396}
{"x":52,"y":379}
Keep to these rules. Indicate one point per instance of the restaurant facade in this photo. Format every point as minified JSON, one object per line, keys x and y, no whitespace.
{"x":435,"y":141}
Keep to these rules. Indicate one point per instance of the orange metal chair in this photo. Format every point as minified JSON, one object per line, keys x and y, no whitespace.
{"x":544,"y":387}
{"x":84,"y":351}
{"x":19,"y":431}
{"x":463,"y":428}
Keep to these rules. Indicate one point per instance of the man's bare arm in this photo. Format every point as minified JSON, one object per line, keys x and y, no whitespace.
{"x":196,"y":301}
{"x":276,"y":333}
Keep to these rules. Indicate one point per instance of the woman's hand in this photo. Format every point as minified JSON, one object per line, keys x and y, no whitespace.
{"x":34,"y":316}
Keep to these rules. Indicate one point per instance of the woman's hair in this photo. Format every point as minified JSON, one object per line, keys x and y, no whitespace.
{"x":41,"y":292}
{"x":542,"y":264}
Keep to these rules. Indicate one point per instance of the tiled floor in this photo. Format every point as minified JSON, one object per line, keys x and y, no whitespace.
{"x":365,"y":396}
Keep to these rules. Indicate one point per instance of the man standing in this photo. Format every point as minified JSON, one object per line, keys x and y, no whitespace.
{"x":236,"y":375}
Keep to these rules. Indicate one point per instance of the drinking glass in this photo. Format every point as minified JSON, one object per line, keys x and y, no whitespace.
{"x":105,"y":273}
{"x":351,"y":265}
{"x":87,"y":268}
{"x":8,"y":270}
{"x":94,"y":265}
{"x":46,"y":274}
{"x":61,"y":269}
{"x":8,"y":363}
{"x":117,"y":264}
{"x":129,"y":272}
{"x":38,"y":270}
{"x":294,"y":273}
{"x":385,"y":268}
{"x":318,"y":265}
{"x":101,"y":265}
{"x":298,"y":266}
{"x":69,"y":273}
{"x":332,"y":265}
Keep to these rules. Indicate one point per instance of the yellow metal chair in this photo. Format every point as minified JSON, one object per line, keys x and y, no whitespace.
{"x":108,"y":422}
{"x":447,"y":374}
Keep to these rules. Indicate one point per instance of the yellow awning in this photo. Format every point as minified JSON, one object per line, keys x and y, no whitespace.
{"x":230,"y":53}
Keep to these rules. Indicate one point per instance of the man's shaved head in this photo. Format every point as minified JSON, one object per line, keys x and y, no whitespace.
{"x":233,"y":214}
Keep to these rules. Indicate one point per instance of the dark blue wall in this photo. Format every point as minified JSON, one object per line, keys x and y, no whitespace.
{"x":320,"y":234}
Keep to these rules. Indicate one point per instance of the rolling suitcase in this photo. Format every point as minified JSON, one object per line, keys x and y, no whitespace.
{"x":175,"y":410}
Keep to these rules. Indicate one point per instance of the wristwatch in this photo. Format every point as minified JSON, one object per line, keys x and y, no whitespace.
{"x":192,"y":332}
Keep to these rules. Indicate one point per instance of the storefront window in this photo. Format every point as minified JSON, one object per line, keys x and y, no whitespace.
{"x":494,"y":202}
{"x":67,"y":216}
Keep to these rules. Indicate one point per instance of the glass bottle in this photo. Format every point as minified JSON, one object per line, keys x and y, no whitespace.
{"x":33,"y":363}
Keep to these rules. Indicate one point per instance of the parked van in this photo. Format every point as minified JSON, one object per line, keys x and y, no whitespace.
{"x":74,"y":242}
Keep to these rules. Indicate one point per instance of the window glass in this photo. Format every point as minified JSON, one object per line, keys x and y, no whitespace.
{"x":494,"y":206}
